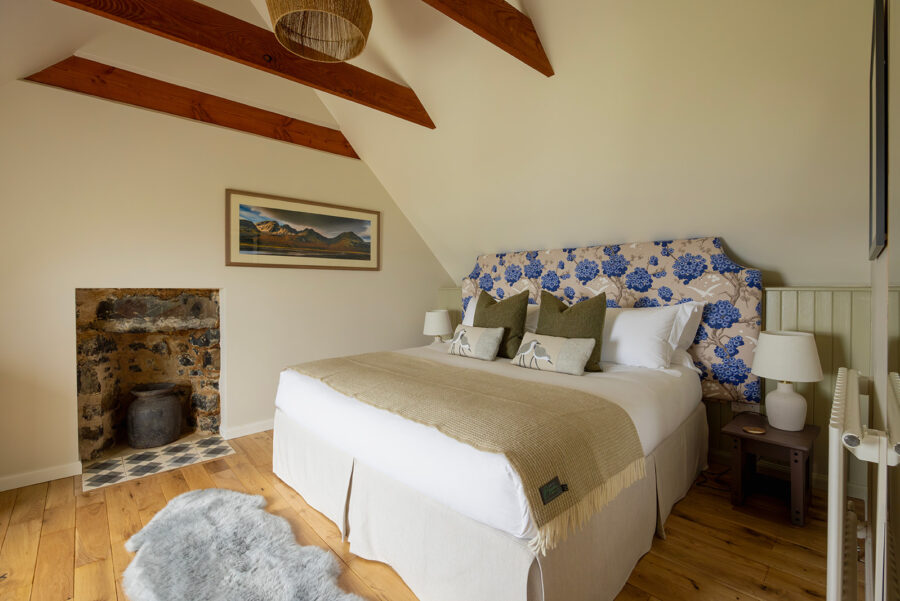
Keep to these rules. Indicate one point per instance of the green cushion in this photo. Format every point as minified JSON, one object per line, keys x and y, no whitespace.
{"x":583,"y":320}
{"x":508,"y":314}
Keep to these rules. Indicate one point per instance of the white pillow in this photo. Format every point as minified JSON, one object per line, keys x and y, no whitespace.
{"x":469,"y":315}
{"x":531,"y":318}
{"x":684,"y":330}
{"x":680,"y":357}
{"x":639,"y":337}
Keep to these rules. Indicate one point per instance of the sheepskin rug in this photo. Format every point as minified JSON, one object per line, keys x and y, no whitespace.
{"x":221,"y":545}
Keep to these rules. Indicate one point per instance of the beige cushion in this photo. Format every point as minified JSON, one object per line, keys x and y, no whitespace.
{"x":553,"y":353}
{"x":478,"y":343}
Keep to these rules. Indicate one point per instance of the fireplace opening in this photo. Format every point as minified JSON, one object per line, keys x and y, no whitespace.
{"x":132,"y":338}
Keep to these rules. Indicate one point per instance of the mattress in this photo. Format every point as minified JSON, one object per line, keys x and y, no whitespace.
{"x":477,"y":484}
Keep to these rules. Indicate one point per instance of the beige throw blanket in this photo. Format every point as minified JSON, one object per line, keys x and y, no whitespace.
{"x":573,"y":451}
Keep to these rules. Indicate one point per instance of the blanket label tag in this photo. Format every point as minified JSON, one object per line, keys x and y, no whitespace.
{"x":552,"y":489}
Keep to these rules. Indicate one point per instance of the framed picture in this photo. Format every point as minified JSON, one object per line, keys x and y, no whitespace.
{"x":273,"y":231}
{"x":878,"y":134}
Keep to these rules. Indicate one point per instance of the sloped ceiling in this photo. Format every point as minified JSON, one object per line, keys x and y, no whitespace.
{"x":665,"y":119}
{"x":34,"y":34}
{"x":747,"y":120}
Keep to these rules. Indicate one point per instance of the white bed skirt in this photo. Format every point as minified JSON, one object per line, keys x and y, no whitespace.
{"x":445,"y":556}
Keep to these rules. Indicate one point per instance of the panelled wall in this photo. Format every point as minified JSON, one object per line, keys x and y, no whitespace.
{"x":841,"y":319}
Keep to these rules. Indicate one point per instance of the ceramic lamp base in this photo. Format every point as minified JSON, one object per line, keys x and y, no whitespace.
{"x":785,"y":408}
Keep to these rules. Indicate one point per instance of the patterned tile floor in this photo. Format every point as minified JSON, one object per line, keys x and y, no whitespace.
{"x":143,"y":462}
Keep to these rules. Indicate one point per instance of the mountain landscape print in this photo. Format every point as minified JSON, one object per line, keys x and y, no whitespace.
{"x":267,"y":231}
{"x":262,"y":230}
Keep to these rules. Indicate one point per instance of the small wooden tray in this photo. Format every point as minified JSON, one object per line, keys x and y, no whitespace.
{"x":754,"y":430}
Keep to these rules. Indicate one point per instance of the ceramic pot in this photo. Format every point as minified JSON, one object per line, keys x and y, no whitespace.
{"x":154,"y":417}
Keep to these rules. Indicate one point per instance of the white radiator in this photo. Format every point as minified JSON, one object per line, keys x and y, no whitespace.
{"x":846,"y":432}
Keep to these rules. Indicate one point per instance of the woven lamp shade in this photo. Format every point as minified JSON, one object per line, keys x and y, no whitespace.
{"x":327,"y":31}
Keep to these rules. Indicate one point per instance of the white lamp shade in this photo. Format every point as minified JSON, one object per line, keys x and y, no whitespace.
{"x":787,"y":356}
{"x":437,"y":323}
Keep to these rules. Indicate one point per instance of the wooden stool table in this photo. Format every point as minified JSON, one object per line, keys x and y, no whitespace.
{"x":778,"y":445}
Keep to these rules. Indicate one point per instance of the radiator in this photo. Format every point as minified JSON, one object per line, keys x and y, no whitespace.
{"x":880,"y":450}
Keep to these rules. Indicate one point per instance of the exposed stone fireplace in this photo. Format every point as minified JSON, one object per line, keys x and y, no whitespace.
{"x":132,"y":336}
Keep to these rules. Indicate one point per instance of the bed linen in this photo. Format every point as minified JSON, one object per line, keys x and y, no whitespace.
{"x":445,"y":556}
{"x":573,"y":451}
{"x":479,"y":485}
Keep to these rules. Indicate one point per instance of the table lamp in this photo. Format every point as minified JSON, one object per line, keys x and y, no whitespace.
{"x":788,"y":357}
{"x":437,"y":324}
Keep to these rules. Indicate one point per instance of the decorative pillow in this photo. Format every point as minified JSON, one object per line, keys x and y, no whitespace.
{"x":508,"y":314}
{"x":582,"y":320}
{"x":552,"y":353}
{"x":531,"y":317}
{"x":687,"y":322}
{"x":478,"y":343}
{"x":639,"y":337}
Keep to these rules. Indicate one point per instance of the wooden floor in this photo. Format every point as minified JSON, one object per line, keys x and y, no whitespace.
{"x":58,"y":543}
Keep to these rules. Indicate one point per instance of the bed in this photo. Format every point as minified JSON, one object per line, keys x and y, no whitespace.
{"x":452,"y":520}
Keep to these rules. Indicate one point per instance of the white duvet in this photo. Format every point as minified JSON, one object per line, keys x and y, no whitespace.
{"x":480,"y":485}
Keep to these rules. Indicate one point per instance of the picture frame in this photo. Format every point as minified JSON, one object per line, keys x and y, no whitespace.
{"x":263,"y":230}
{"x":878,"y":134}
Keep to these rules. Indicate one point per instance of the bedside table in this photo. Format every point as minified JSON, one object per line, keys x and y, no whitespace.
{"x":779,"y":445}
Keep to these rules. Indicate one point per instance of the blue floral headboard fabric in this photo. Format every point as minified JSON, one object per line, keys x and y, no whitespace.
{"x":649,"y":274}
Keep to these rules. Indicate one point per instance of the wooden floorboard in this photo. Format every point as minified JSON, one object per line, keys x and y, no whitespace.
{"x":17,"y":560}
{"x":58,"y":543}
{"x":7,"y":502}
{"x":54,"y":574}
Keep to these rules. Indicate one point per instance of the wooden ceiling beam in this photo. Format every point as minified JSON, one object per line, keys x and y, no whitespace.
{"x":500,"y":24}
{"x":208,"y":29}
{"x":96,"y":79}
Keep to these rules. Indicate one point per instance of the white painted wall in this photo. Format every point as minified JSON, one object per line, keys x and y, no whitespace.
{"x":665,"y":119}
{"x":97,"y":194}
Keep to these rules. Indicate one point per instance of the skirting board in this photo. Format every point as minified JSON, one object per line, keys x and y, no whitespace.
{"x":74,"y":468}
{"x":38,"y":476}
{"x":246,"y":429}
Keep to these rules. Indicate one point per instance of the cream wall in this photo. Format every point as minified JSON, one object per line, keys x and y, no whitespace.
{"x":96,"y":194}
{"x":664,"y":119}
{"x":887,"y":269}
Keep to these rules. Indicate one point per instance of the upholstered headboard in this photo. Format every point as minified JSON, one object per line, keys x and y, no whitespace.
{"x":649,"y":274}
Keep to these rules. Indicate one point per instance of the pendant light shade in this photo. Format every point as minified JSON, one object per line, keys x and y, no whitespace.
{"x":328,"y":31}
